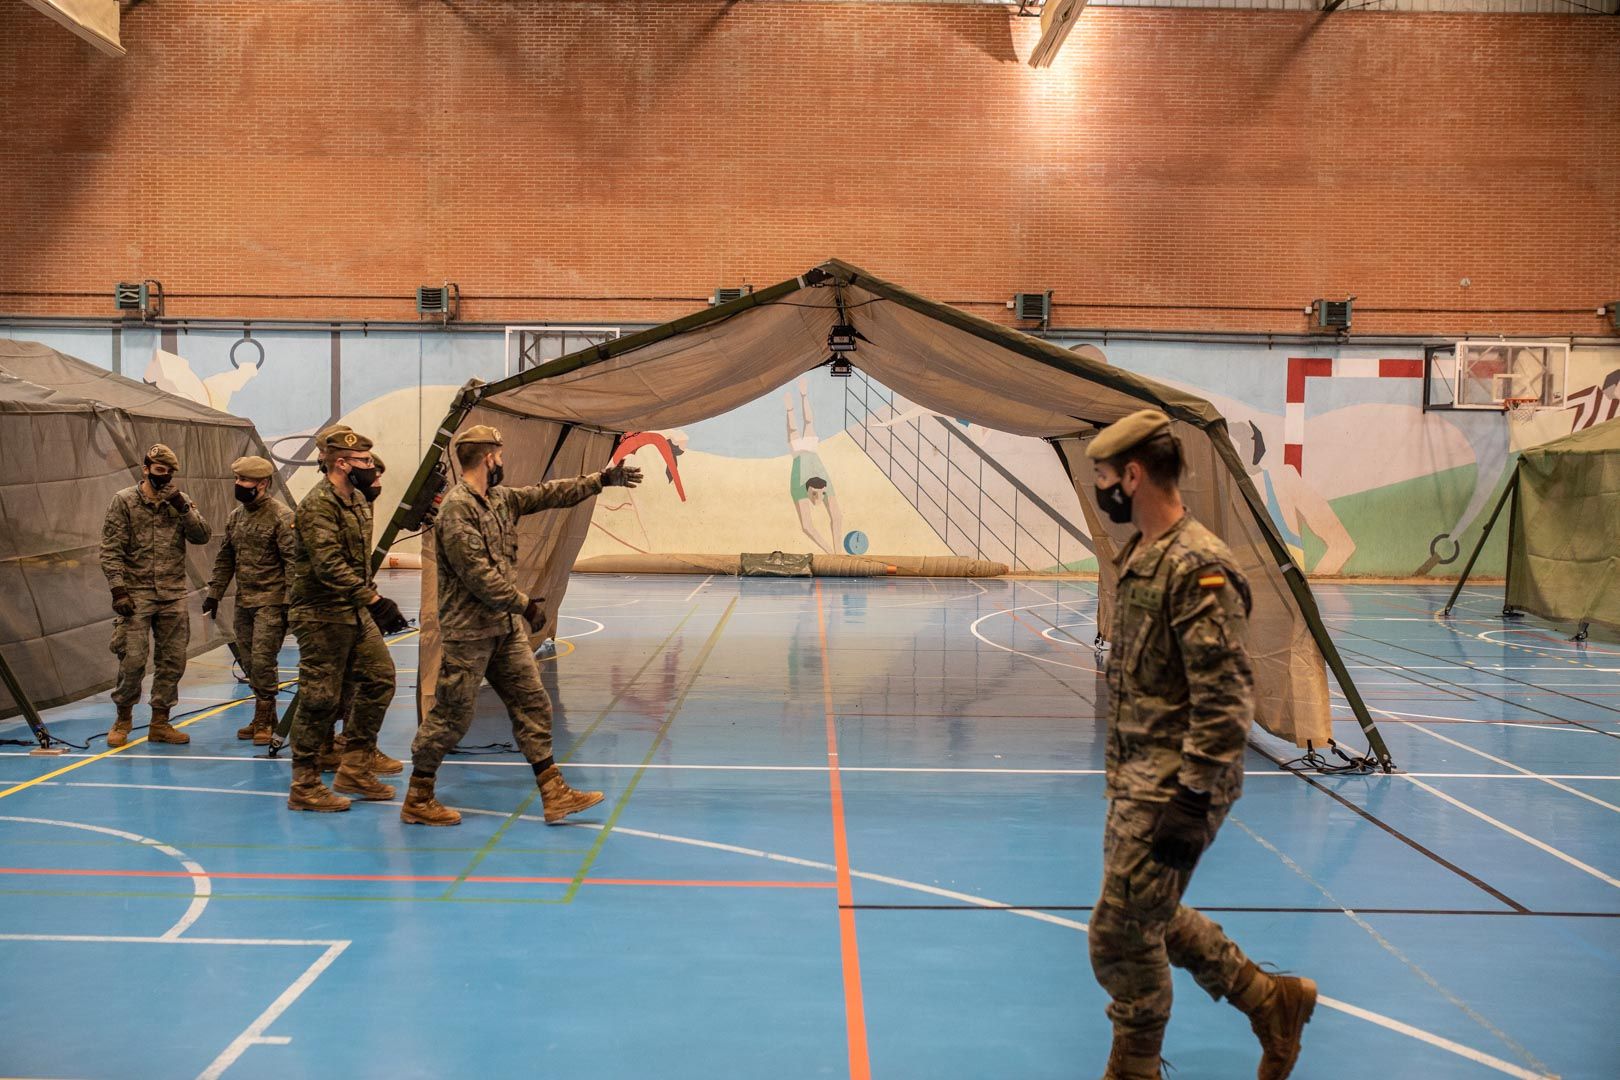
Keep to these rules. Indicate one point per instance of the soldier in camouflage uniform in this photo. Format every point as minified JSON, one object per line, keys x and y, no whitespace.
{"x":485,"y":621}
{"x":143,"y":554}
{"x":1182,"y":701}
{"x":259,"y":550}
{"x":339,"y":620}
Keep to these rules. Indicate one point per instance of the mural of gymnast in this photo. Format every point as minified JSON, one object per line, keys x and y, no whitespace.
{"x":810,"y":485}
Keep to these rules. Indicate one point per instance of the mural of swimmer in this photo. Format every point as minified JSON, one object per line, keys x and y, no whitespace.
{"x":810,"y":485}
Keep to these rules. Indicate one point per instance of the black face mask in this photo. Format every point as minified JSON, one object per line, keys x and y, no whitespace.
{"x":158,"y":482}
{"x":1115,"y":503}
{"x":372,"y":493}
{"x":497,"y":473}
{"x":362,"y":478}
{"x":246,"y":494}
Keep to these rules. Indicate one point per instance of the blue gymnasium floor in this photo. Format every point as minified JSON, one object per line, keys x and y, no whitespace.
{"x":757,"y":899}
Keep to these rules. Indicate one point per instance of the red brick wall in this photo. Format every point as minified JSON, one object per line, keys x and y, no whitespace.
{"x":1174,"y":169}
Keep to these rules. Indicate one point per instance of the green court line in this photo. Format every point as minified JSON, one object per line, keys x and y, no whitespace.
{"x":484,"y":852}
{"x":658,"y":740}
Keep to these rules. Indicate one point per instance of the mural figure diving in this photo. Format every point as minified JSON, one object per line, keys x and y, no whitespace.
{"x":809,"y":485}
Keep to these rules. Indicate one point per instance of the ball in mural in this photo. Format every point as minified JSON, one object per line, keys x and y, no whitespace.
{"x":855,"y":542}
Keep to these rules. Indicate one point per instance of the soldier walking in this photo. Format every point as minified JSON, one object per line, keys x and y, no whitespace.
{"x":143,"y":555}
{"x":485,"y":622}
{"x":1182,"y":701}
{"x":339,"y":619}
{"x":259,"y":550}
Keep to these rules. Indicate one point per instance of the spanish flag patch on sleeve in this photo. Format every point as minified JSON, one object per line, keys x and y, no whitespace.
{"x":1212,"y":580}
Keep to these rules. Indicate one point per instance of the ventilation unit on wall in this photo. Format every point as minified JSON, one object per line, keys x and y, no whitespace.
{"x":145,"y":297}
{"x":1032,"y":306}
{"x":441,"y":300}
{"x":1333,"y":314}
{"x":726,"y":296}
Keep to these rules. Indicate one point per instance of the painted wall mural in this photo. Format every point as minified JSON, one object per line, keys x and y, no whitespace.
{"x":1359,"y":478}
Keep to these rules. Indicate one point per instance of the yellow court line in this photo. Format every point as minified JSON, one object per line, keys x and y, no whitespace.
{"x":215,"y":711}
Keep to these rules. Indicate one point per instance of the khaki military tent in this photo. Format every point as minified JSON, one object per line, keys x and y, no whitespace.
{"x":565,"y":417}
{"x":1563,"y":542}
{"x":71,"y":435}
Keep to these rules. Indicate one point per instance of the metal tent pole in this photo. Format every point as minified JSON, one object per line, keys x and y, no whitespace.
{"x":1484,"y":535}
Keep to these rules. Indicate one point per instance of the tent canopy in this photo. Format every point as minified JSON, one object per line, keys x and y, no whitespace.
{"x":566,"y":416}
{"x":1563,"y":562}
{"x":72,"y":435}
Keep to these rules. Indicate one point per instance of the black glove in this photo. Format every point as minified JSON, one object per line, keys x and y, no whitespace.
{"x":386,"y":614}
{"x":178,"y":500}
{"x":1183,"y":830}
{"x":210,"y":607}
{"x":535,"y":615}
{"x":122,"y":604}
{"x":621,"y":475}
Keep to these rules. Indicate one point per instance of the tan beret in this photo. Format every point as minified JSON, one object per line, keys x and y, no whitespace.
{"x":162,"y":455}
{"x":376,"y":460}
{"x":341,"y":438}
{"x":320,"y":436}
{"x":480,"y":433}
{"x":1125,"y":433}
{"x":252,"y":468}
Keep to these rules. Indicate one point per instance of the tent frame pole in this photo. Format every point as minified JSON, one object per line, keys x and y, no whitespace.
{"x":1508,"y":492}
{"x":465,"y":400}
{"x":25,"y":705}
{"x":1508,"y":610}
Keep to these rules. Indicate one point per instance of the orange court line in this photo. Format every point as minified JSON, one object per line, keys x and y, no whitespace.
{"x":860,"y":1065}
{"x":60,"y":871}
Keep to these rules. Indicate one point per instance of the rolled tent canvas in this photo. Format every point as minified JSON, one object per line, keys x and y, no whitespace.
{"x":567,"y":414}
{"x":71,"y":436}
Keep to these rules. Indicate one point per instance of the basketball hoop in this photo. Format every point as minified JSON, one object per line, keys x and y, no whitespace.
{"x":1521,"y":409}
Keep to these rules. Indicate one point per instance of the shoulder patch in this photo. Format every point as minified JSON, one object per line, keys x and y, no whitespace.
{"x":1212,"y":580}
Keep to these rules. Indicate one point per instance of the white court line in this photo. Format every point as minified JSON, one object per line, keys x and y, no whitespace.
{"x":1508,"y":764}
{"x":1511,"y":831}
{"x":588,"y":633}
{"x":974,"y":630}
{"x":256,"y":1030}
{"x":202,"y":885}
{"x":693,"y":594}
{"x":1388,"y":946}
{"x":253,"y":1034}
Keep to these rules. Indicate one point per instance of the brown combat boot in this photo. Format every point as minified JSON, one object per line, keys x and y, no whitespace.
{"x":119,"y":735}
{"x":354,"y":777}
{"x":308,"y":793}
{"x":332,"y":752}
{"x":245,"y":732}
{"x":1278,"y":1007}
{"x":560,"y":800}
{"x":383,"y":765}
{"x":161,"y":731}
{"x":264,"y":722}
{"x":421,"y":808}
{"x":1135,"y":1056}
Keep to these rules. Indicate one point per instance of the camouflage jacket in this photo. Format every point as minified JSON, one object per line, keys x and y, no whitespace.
{"x":260,"y":547}
{"x":476,"y":542}
{"x":331,"y":577}
{"x":1178,"y":672}
{"x":143,"y":544}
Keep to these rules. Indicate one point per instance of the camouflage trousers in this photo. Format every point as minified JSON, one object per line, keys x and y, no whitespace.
{"x":1140,"y":927}
{"x":260,"y":632}
{"x":327,"y":654}
{"x":162,"y":629}
{"x":510,"y":667}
